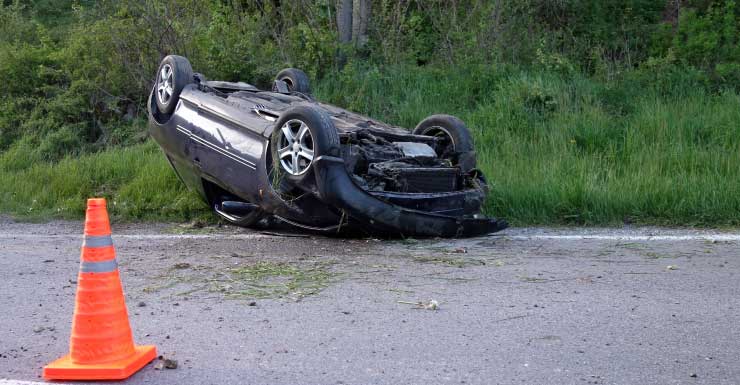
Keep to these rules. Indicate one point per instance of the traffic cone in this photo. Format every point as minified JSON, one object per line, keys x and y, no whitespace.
{"x":101,"y":345}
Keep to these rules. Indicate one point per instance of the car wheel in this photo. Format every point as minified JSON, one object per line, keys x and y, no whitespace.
{"x":295,"y":79}
{"x":173,"y":75}
{"x":301,"y":134}
{"x":454,"y":138}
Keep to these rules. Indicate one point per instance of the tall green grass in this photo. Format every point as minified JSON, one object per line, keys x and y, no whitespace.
{"x":137,"y":181}
{"x":566,"y":149}
{"x":652,"y":148}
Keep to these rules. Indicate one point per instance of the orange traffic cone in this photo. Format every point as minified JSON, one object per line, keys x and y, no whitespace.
{"x":101,"y":345}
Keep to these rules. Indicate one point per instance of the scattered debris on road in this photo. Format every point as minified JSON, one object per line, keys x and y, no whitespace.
{"x":170,"y":364}
{"x":430,"y":305}
{"x":250,"y":280}
{"x":489,"y":307}
{"x":165,"y":363}
{"x":445,"y":260}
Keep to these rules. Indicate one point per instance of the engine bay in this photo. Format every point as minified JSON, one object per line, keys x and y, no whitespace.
{"x":379,"y":164}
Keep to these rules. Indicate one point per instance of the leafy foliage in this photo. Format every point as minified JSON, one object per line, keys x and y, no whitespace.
{"x":591,"y":91}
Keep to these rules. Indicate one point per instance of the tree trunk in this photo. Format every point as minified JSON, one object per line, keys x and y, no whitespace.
{"x":344,"y":20}
{"x":360,"y":20}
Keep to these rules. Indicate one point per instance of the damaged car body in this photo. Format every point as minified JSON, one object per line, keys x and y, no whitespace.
{"x":255,"y":155}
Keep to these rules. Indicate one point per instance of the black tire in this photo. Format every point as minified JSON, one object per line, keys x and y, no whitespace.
{"x":324,"y":140}
{"x":181,"y":75}
{"x":456,"y":138}
{"x":295,"y":79}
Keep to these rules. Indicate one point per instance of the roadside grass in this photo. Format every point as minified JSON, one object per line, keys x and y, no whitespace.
{"x":137,"y":182}
{"x":556,"y":148}
{"x":566,"y":149}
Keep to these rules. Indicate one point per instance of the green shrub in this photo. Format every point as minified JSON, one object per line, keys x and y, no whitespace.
{"x":583,"y":111}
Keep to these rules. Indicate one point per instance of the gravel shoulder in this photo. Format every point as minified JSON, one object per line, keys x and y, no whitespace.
{"x":535,"y":306}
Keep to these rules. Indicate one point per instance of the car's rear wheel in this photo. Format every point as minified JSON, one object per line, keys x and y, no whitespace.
{"x":295,"y":79}
{"x":301,"y":135}
{"x":454,"y":138}
{"x":174,"y":73}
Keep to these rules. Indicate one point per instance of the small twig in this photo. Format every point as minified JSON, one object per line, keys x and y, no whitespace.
{"x":431,"y":305}
{"x":512,"y":318}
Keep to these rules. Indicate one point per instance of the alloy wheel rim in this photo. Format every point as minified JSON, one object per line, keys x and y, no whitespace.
{"x":295,"y":147}
{"x":164,"y":85}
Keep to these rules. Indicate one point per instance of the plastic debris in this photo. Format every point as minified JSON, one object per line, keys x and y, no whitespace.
{"x":429,"y":305}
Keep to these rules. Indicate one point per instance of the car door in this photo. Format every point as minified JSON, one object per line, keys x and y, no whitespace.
{"x":225,"y":149}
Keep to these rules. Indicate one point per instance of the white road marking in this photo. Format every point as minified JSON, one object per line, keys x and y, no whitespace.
{"x":140,"y":236}
{"x":634,"y":238}
{"x":4,"y":381}
{"x":192,"y":236}
{"x":616,"y":236}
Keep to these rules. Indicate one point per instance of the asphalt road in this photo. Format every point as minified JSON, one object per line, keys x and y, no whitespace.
{"x":528,"y":306}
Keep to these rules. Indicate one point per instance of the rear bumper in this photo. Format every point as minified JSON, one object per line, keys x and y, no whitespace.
{"x":337,"y":189}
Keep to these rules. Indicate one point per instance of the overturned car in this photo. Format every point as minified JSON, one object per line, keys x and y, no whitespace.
{"x":255,"y":155}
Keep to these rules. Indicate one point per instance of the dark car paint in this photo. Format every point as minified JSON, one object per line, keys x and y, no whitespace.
{"x":204,"y":141}
{"x":224,"y":141}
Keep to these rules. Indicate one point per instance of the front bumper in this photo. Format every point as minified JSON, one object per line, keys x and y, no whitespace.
{"x":337,"y":189}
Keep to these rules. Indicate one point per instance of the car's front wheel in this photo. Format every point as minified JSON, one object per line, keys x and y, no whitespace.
{"x":301,"y":135}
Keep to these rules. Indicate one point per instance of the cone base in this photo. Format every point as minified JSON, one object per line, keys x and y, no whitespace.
{"x":65,"y":369}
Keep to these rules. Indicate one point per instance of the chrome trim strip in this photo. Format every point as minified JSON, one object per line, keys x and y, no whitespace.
{"x":216,"y":148}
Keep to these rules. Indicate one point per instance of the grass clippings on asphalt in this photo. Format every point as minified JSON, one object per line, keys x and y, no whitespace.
{"x":274,"y":280}
{"x":244,"y":281}
{"x":449,"y":261}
